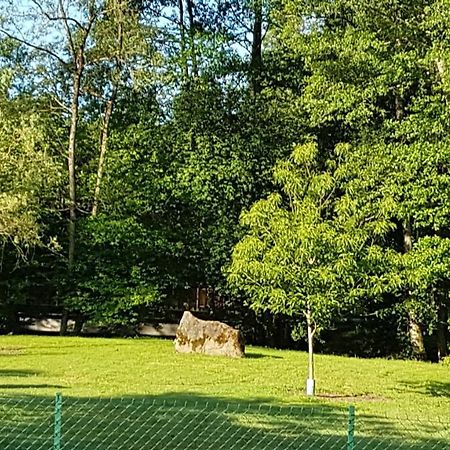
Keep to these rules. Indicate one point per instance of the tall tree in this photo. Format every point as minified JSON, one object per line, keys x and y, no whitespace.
{"x":75,"y":22}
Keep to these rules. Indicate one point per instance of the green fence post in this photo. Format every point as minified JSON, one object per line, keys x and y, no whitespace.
{"x":351,"y":428}
{"x":57,"y":426}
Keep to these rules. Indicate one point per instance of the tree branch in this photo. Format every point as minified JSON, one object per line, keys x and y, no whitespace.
{"x":36,"y":47}
{"x":68,"y":32}
{"x":56,"y":18}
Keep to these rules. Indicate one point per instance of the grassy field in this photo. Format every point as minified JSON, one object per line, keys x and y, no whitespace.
{"x":109,"y":375}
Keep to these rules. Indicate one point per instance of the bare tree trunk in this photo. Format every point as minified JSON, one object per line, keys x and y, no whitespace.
{"x":310,"y":383}
{"x":193,"y":52}
{"x":103,"y":148}
{"x":256,"y":58}
{"x":415,"y":328}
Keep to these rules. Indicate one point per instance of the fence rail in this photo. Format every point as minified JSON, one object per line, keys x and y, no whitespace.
{"x":30,"y":423}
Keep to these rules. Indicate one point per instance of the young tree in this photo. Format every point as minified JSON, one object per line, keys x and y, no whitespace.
{"x":297,"y":258}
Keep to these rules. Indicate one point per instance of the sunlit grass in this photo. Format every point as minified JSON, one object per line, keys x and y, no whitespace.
{"x":94,"y":367}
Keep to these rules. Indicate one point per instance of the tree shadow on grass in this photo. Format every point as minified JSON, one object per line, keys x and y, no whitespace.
{"x":18,"y":373}
{"x":198,"y":422}
{"x":12,"y":373}
{"x":32,"y":386}
{"x":260,"y":356}
{"x":429,"y":388}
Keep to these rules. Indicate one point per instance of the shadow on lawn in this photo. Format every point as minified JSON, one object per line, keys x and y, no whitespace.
{"x":18,"y":373}
{"x":260,"y":356}
{"x":429,"y":388}
{"x":31,"y":386}
{"x":23,"y":374}
{"x":197,"y":422}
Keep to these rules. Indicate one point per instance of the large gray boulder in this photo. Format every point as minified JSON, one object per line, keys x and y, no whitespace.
{"x":208,"y":336}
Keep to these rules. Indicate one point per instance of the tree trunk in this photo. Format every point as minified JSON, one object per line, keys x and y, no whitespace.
{"x":399,"y":109}
{"x":78,"y":326}
{"x":71,"y":166}
{"x":416,"y":338}
{"x":71,"y":160}
{"x":415,"y":328}
{"x":64,"y":321}
{"x":190,"y":8}
{"x":103,"y":149}
{"x":442,"y":331}
{"x":256,"y":58}
{"x":183,"y":40}
{"x":310,"y":383}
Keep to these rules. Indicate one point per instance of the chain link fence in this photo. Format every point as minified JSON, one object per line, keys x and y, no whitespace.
{"x":143,"y":423}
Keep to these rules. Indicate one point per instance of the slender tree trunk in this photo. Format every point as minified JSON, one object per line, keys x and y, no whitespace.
{"x":74,"y":108}
{"x":183,"y":41}
{"x":442,"y":331}
{"x":193,"y":51}
{"x":310,"y":383}
{"x":256,"y":58}
{"x":415,"y":328}
{"x":71,"y":162}
{"x":103,"y":148}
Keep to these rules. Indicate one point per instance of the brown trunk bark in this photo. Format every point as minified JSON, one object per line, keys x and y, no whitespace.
{"x":256,"y":59}
{"x":442,"y":331}
{"x":190,"y":8}
{"x":103,"y":148}
{"x":415,"y":328}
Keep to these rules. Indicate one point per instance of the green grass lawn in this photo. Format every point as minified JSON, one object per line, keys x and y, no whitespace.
{"x":121,"y":378}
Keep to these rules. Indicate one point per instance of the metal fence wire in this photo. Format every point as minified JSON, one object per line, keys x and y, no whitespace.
{"x":30,"y":423}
